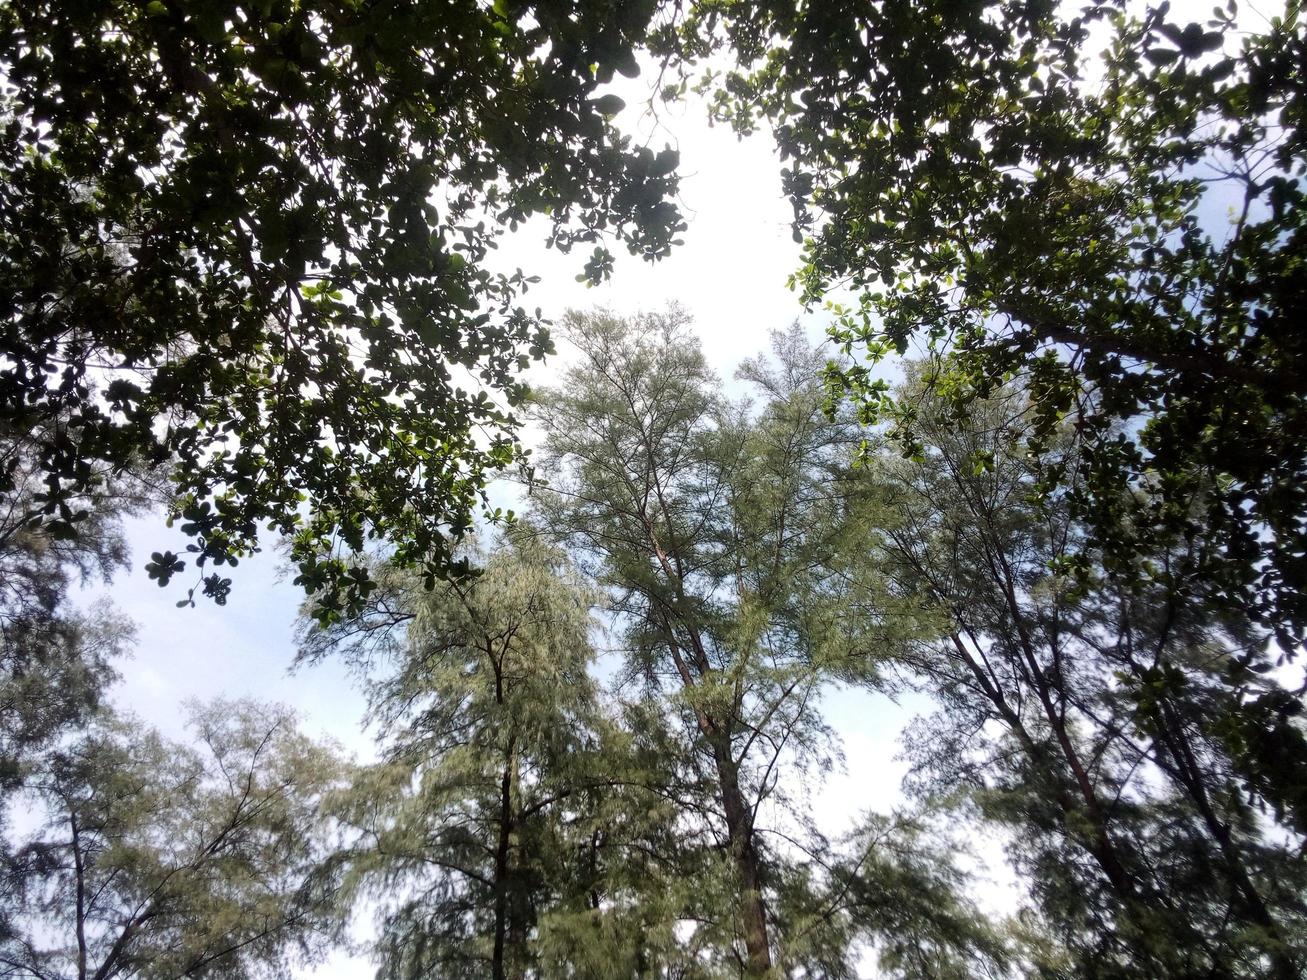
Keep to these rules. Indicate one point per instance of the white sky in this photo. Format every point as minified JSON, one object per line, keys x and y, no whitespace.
{"x":730,"y":274}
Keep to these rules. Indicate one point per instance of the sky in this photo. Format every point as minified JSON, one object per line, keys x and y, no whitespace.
{"x":730,"y":274}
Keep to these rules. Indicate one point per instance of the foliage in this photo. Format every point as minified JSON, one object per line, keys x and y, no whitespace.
{"x":162,"y":860}
{"x":54,"y":661}
{"x":494,"y":832}
{"x":901,"y":885}
{"x":1092,"y":719}
{"x":713,"y":527}
{"x":247,"y":249}
{"x":981,"y":182}
{"x":654,"y":479}
{"x":251,"y":243}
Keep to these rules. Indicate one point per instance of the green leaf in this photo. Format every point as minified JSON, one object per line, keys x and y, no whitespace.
{"x":608,"y":105}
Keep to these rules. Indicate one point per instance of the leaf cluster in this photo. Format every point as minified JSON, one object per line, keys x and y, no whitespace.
{"x":250,"y":244}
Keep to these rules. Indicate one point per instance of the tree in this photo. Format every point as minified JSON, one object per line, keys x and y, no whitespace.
{"x":494,"y":831}
{"x":1092,"y":718}
{"x":160,"y":860}
{"x":250,"y":244}
{"x":708,"y":525}
{"x":900,"y":887}
{"x":526,"y":821}
{"x":55,"y":662}
{"x":981,"y":182}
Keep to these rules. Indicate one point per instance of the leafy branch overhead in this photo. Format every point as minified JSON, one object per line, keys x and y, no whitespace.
{"x":1125,"y":230}
{"x":247,"y":273}
{"x":250,"y":242}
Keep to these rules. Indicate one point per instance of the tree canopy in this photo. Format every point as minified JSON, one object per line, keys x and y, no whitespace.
{"x":512,"y":827}
{"x":1124,"y":229}
{"x":55,"y":658}
{"x":167,"y":860}
{"x":714,"y":526}
{"x":543,"y":806}
{"x":529,"y":819}
{"x":1128,"y":735}
{"x":251,"y":243}
{"x":248,"y":272}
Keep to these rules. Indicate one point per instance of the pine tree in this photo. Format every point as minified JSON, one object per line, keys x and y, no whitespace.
{"x":708,"y":524}
{"x":530,"y":822}
{"x":55,"y":661}
{"x":1094,"y":719}
{"x":494,"y":832}
{"x":167,"y":860}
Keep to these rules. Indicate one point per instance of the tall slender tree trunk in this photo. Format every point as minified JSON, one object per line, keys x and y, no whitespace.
{"x":1246,"y":896}
{"x":516,"y":965}
{"x":739,"y":818}
{"x":503,"y":872}
{"x":739,"y":829}
{"x":1075,"y":813}
{"x":80,"y":870}
{"x":1100,"y":843}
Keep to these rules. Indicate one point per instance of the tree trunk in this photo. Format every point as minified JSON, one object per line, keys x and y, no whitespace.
{"x":1101,"y":845}
{"x":739,"y":829}
{"x":79,"y":868}
{"x":1246,"y":896}
{"x":739,"y":819}
{"x":503,"y":872}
